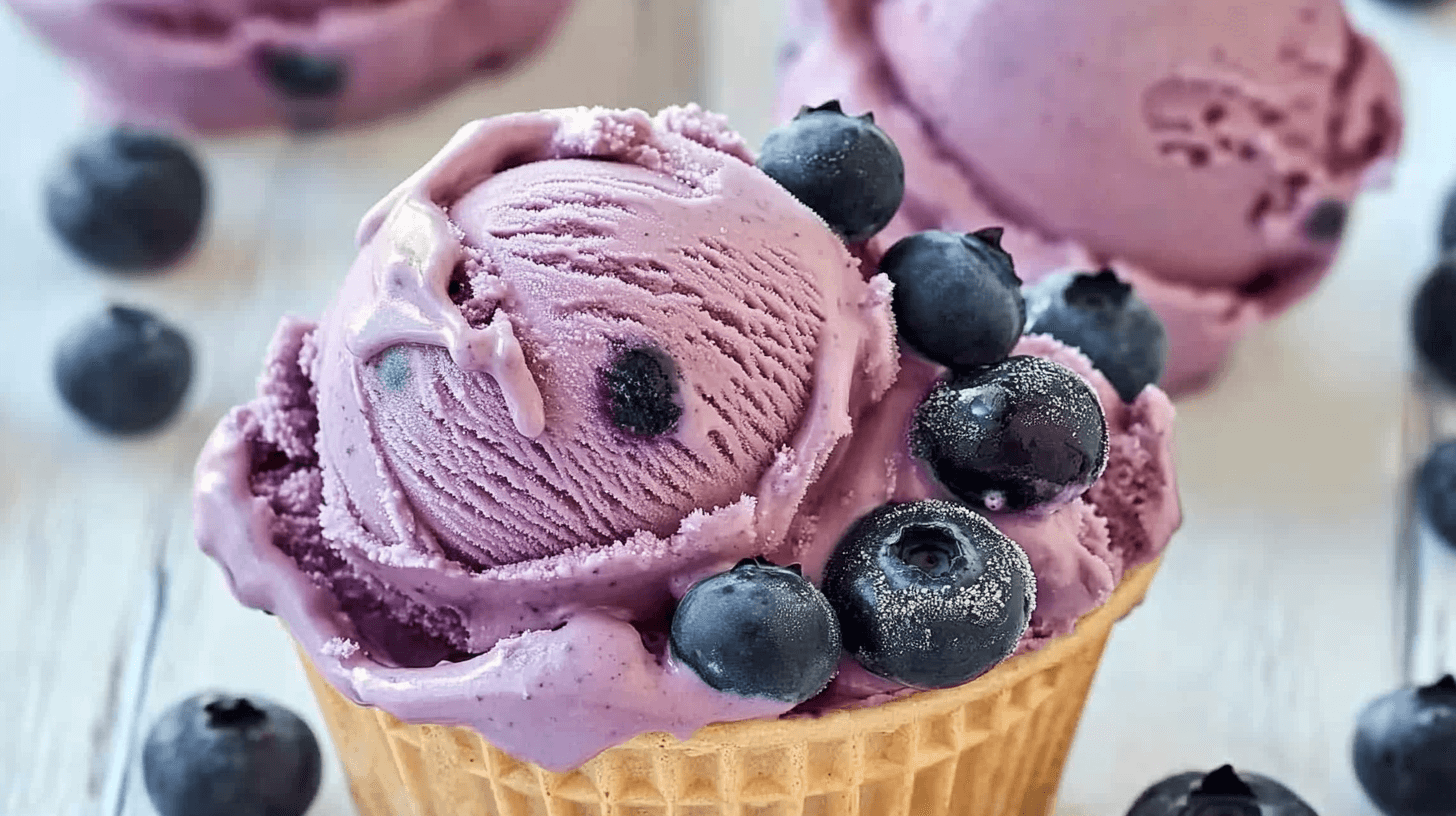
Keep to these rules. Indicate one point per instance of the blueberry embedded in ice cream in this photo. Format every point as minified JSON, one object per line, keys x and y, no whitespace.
{"x":1222,"y":792}
{"x":127,"y":200}
{"x":1432,"y":323}
{"x":1326,"y":220}
{"x":758,"y":630}
{"x":1105,"y":319}
{"x":1405,"y":750}
{"x":124,"y":370}
{"x":300,"y":75}
{"x":641,"y":391}
{"x":845,"y":168}
{"x":1436,"y":491}
{"x":929,"y":593}
{"x":230,"y":756}
{"x":957,"y":299}
{"x":1022,"y":433}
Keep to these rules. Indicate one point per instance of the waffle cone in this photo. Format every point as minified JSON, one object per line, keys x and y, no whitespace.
{"x":992,"y":747}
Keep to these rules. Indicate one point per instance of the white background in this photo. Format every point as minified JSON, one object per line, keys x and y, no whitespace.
{"x":1270,"y":625}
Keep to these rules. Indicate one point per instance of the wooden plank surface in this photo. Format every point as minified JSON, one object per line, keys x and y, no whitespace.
{"x":1273,"y":620}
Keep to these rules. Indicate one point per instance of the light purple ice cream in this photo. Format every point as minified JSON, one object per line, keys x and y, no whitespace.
{"x":1206,"y":151}
{"x":204,"y":64}
{"x":428,"y":492}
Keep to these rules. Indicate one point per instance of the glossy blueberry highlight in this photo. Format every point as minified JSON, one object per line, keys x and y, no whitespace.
{"x":1106,"y":320}
{"x":929,"y":593}
{"x":125,"y":370}
{"x":1432,"y":324}
{"x":640,"y":388}
{"x":845,"y":168}
{"x":758,"y":630}
{"x":127,"y":200}
{"x":230,"y":756}
{"x":1222,"y":792}
{"x":957,"y":299}
{"x":1023,"y":433}
{"x":1405,"y":750}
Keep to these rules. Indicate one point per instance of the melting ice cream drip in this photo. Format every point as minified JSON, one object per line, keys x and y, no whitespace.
{"x":411,"y":303}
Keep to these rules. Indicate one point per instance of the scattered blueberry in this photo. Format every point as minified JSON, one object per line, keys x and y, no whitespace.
{"x":230,"y":756}
{"x":1022,"y":433}
{"x":842,"y":167}
{"x":758,"y":630}
{"x":1222,"y":792}
{"x":1107,"y":321}
{"x":124,"y":370}
{"x":1447,"y":234}
{"x":957,"y":298}
{"x":300,"y":75}
{"x":1433,"y":320}
{"x":641,"y":391}
{"x":1436,"y":490}
{"x":128,"y":200}
{"x":1405,"y":750}
{"x":1326,"y":220}
{"x":929,"y":594}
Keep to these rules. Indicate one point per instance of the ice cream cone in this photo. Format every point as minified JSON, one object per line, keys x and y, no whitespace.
{"x":992,"y":747}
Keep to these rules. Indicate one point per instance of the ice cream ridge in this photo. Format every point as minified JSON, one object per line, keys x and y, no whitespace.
{"x":1207,"y":152}
{"x":608,"y":432}
{"x":221,"y":65}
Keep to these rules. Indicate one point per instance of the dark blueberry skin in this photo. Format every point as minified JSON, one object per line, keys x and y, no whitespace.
{"x":128,"y":201}
{"x":640,"y":389}
{"x":929,"y":593}
{"x":842,"y":167}
{"x":957,"y":299}
{"x":230,"y":756}
{"x":758,"y":630}
{"x":1019,"y":434}
{"x":1405,"y":750}
{"x":1325,"y":222}
{"x":300,"y":75}
{"x":1432,"y":325}
{"x":1222,"y":792}
{"x":1436,"y":491}
{"x":1102,"y":316}
{"x":125,"y":371}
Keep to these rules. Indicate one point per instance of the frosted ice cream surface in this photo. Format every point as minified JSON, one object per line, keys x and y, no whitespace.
{"x":224,"y":64}
{"x":436,"y":491}
{"x":1208,"y":152}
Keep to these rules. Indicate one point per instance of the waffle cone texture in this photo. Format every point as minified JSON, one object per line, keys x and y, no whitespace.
{"x":992,"y":747}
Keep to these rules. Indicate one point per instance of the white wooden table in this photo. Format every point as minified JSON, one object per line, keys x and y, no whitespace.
{"x":1271,"y":623}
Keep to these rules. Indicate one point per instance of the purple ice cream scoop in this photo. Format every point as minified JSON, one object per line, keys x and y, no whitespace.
{"x":584,"y":359}
{"x":215,"y":65}
{"x":1208,"y":152}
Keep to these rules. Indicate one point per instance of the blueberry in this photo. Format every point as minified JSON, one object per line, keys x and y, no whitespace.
{"x":1326,"y":220}
{"x":640,"y":388}
{"x":300,"y":75}
{"x":1433,"y":321}
{"x":1405,"y":750}
{"x":127,"y":200}
{"x":230,"y":756}
{"x":124,"y":370}
{"x":842,"y":167}
{"x":1436,"y":490}
{"x":1222,"y":792}
{"x":1022,"y":433}
{"x":929,"y":594}
{"x":957,"y":298}
{"x":1107,"y":321}
{"x":758,"y":630}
